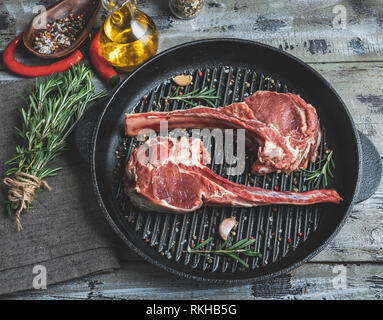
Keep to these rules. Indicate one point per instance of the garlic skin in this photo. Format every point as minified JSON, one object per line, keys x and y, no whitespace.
{"x":183,"y":80}
{"x":226,"y":226}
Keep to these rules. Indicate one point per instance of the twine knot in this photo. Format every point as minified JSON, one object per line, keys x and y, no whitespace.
{"x":22,"y":190}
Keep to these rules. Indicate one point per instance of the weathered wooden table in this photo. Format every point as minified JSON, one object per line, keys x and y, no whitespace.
{"x":343,"y":40}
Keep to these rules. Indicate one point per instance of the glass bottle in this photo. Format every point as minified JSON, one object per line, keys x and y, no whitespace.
{"x":185,"y":9}
{"x":128,"y":36}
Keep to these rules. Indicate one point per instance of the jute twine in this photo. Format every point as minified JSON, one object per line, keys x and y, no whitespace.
{"x":22,"y":190}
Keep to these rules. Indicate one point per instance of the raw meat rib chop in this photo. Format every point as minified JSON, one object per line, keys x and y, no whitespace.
{"x":295,"y":120}
{"x":168,"y":175}
{"x":282,"y":129}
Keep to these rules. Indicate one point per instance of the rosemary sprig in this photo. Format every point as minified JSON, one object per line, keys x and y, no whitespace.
{"x":319,"y":176}
{"x":205,"y":94}
{"x":232,"y":251}
{"x":53,"y":108}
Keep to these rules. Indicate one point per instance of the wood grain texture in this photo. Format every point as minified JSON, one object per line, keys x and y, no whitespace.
{"x":360,"y":87}
{"x":139,"y":280}
{"x":303,"y":28}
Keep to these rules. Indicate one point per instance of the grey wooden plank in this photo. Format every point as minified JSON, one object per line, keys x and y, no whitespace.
{"x":139,"y":280}
{"x":361,"y":238}
{"x":360,"y":87}
{"x":303,"y":28}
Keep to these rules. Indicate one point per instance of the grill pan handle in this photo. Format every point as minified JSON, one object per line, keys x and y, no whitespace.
{"x":371,"y":168}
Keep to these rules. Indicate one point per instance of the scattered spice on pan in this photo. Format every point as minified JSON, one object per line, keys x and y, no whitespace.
{"x":186,"y":9}
{"x":232,"y":251}
{"x":54,"y":106}
{"x":58,"y":34}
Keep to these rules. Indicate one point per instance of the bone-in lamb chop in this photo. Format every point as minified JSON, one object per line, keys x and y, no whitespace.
{"x":282,"y":129}
{"x":168,"y":175}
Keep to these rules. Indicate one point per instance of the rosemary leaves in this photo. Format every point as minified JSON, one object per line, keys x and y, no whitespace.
{"x":207,"y":95}
{"x":53,"y":108}
{"x":232,"y":251}
{"x":319,"y":176}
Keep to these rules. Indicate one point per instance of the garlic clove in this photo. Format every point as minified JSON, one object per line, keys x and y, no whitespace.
{"x":226,"y":226}
{"x":183,"y":80}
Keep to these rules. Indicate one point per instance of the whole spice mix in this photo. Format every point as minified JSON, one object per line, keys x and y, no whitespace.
{"x":58,"y":34}
{"x":185,"y":9}
{"x":54,"y":106}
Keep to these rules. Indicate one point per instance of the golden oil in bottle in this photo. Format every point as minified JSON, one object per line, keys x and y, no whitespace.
{"x":128,"y":37}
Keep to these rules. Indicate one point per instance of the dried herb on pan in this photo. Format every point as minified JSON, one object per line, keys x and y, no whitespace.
{"x":205,"y":94}
{"x":232,"y":251}
{"x":53,"y":107}
{"x":319,"y":176}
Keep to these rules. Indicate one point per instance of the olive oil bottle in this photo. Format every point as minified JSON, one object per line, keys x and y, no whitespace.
{"x":128,"y":36}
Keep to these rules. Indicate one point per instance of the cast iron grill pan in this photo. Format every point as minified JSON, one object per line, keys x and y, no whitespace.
{"x":286,"y":235}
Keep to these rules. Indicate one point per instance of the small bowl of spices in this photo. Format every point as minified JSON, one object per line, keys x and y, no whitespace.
{"x":58,"y":35}
{"x":67,"y":25}
{"x":185,"y":9}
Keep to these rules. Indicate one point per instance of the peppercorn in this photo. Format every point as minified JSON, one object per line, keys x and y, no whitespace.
{"x":58,"y":34}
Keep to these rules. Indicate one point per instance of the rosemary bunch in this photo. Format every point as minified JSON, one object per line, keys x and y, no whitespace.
{"x":205,"y":94}
{"x":232,"y":251}
{"x":53,"y":107}
{"x":319,"y":176}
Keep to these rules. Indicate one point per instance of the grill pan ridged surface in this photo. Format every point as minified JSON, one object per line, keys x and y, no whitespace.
{"x":278,"y":229}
